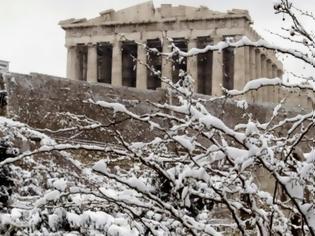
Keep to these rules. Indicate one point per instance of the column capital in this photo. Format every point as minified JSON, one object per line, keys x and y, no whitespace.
{"x":70,"y":46}
{"x":117,"y":40}
{"x":91,"y":44}
{"x":217,"y":38}
{"x":192,"y":39}
{"x":237,"y":36}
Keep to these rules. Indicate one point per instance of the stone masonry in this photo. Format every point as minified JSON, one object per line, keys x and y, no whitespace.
{"x":98,"y":53}
{"x":47,"y":102}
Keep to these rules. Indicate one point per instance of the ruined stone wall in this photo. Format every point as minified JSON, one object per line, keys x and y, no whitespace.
{"x":46,"y":102}
{"x":42,"y":101}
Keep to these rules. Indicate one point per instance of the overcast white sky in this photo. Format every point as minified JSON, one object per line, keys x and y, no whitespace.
{"x":32,"y":41}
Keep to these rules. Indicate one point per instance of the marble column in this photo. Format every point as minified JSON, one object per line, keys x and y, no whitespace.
{"x":239,"y":68}
{"x":247,"y":76}
{"x":192,"y":67}
{"x":269,"y":90}
{"x":92,"y":63}
{"x":217,"y":69}
{"x":252,"y":67}
{"x":247,"y":64}
{"x":166,"y":63}
{"x":275,"y":89}
{"x":269,"y":69}
{"x":141,"y":68}
{"x":279,"y":73}
{"x":263,"y":66}
{"x":258,"y":94}
{"x":117,"y":64}
{"x":264,"y":74}
{"x":252,"y":63}
{"x":274,"y":71}
{"x":258,"y":63}
{"x":73,"y":69}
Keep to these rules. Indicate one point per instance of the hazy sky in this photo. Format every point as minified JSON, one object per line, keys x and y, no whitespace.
{"x":31,"y":39}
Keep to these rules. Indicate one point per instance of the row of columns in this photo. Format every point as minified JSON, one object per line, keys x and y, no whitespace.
{"x":250,"y":63}
{"x":253,"y":63}
{"x":265,"y":68}
{"x":141,"y":83}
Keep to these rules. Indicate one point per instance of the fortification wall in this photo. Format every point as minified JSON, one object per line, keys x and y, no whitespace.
{"x":44,"y":101}
{"x":47,"y":102}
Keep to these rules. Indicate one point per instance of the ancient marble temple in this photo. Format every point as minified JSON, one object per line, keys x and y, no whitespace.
{"x":98,"y":53}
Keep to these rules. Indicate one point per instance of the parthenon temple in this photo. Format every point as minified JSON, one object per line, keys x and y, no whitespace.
{"x":98,"y":53}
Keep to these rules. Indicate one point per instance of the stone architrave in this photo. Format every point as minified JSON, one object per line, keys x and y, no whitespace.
{"x":217,"y":69}
{"x":192,"y":67}
{"x":117,"y":61}
{"x":141,"y":68}
{"x":92,"y":63}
